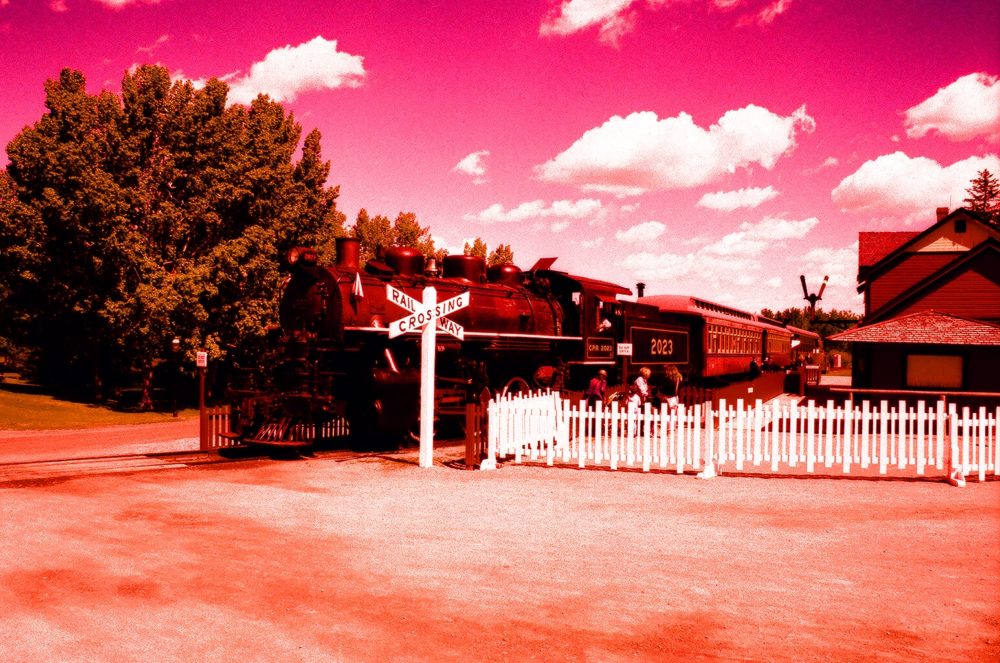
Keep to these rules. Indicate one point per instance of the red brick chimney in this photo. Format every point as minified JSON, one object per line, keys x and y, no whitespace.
{"x":942,"y":212}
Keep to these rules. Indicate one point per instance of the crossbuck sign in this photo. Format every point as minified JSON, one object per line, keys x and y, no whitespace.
{"x":421,"y":315}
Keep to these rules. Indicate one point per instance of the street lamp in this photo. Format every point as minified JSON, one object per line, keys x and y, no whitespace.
{"x":175,"y":349}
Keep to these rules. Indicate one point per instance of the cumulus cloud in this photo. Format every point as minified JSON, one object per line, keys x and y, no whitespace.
{"x":900,"y":185}
{"x":963,"y":110}
{"x":639,"y":153}
{"x":286,"y":72}
{"x":160,"y":41}
{"x":768,"y":14}
{"x":641,"y":233}
{"x":120,"y":4}
{"x":734,"y":258}
{"x":537,"y":209}
{"x":616,"y":18}
{"x":474,"y":165}
{"x":727,"y":201}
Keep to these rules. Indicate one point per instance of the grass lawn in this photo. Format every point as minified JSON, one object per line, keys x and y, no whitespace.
{"x":24,"y":409}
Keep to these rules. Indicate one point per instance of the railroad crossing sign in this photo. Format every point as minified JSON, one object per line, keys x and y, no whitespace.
{"x":421,"y":314}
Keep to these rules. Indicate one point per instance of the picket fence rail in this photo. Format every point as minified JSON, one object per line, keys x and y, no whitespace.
{"x":771,"y":437}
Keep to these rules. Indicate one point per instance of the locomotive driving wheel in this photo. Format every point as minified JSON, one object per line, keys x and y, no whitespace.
{"x":516,"y":385}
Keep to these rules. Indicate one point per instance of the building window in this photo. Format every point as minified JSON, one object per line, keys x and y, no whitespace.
{"x":960,"y":225}
{"x":934,"y":371}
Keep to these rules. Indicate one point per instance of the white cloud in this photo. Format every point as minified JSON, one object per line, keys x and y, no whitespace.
{"x":641,"y":233}
{"x":536,"y":209}
{"x":592,"y":243}
{"x":734,"y":258}
{"x":289,"y":71}
{"x":160,"y":41}
{"x":613,"y":16}
{"x":728,"y":201}
{"x":474,"y":165}
{"x":616,"y":18}
{"x":559,"y":226}
{"x":121,"y":4}
{"x":841,"y":265}
{"x":900,"y":185}
{"x":639,"y":153}
{"x":963,"y":110}
{"x":768,"y":14}
{"x":829,"y":162}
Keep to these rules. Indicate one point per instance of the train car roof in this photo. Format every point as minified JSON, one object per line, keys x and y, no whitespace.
{"x":591,"y":285}
{"x":703,"y":307}
{"x":695,"y":305}
{"x":800,"y":331}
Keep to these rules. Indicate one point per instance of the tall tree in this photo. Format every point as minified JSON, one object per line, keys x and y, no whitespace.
{"x":377,"y":232}
{"x":984,"y":196}
{"x":501,"y":255}
{"x":477,"y":248}
{"x":156,"y":214}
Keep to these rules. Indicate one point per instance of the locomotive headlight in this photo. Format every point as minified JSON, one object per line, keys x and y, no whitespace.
{"x":301,"y":254}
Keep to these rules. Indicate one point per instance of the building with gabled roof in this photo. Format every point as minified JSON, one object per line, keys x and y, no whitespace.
{"x":932,"y":307}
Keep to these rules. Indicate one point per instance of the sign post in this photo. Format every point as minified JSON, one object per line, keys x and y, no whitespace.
{"x":202,"y":363}
{"x":427,"y":315}
{"x":428,"y":347}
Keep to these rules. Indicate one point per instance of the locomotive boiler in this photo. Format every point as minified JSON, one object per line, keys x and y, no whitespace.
{"x":331,"y":357}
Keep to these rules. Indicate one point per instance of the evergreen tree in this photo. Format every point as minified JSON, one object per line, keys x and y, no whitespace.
{"x":984,"y":196}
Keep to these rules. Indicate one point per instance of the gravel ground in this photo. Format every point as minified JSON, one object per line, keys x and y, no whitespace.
{"x":371,"y":558}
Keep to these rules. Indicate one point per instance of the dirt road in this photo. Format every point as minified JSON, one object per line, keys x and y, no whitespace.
{"x":26,"y":446}
{"x":374,"y":558}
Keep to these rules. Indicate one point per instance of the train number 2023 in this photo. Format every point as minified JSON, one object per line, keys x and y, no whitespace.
{"x":661,"y":346}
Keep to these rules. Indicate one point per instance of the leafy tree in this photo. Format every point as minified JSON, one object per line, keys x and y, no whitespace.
{"x":500,"y":255}
{"x":156,"y":214}
{"x":824,"y":323}
{"x":377,"y":231}
{"x":984,"y":196}
{"x":477,"y":248}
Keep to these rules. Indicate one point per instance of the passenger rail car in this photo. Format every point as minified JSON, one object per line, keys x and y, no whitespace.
{"x":725,"y":340}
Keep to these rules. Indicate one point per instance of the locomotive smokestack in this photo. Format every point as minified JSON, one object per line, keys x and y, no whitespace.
{"x":640,"y":288}
{"x":348,"y":254}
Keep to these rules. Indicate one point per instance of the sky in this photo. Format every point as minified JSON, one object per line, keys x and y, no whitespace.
{"x":716,"y":148}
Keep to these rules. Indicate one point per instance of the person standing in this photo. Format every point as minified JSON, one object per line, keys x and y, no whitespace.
{"x":671,"y":389}
{"x":639,"y":390}
{"x":597,"y":388}
{"x":638,"y":393}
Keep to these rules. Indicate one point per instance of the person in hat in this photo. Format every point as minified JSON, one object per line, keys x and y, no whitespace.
{"x":597,"y":388}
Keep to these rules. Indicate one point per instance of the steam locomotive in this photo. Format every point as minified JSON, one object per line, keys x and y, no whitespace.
{"x":332,"y":357}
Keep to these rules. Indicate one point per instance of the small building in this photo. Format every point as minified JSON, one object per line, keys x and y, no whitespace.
{"x":932,"y":307}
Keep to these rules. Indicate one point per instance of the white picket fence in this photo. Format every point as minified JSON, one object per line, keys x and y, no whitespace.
{"x":762,"y":438}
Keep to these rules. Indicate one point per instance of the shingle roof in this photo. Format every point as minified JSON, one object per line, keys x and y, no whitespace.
{"x":925,"y":328}
{"x":873,"y":246}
